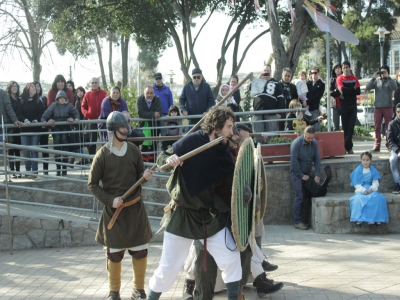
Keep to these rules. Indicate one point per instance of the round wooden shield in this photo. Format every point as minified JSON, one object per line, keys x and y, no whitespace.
{"x":242,"y":204}
{"x":262,"y":186}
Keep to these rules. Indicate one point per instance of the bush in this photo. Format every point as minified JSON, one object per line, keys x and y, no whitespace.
{"x":361,"y":131}
{"x":280,"y":140}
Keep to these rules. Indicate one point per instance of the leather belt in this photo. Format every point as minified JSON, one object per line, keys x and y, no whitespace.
{"x":118,"y":210}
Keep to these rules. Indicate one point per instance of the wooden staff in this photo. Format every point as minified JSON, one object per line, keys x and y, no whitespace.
{"x":167,"y":167}
{"x":222,"y":101}
{"x":139,"y":182}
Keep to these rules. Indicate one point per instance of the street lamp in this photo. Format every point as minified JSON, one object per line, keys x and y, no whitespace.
{"x":171,"y":78}
{"x":381,"y":32}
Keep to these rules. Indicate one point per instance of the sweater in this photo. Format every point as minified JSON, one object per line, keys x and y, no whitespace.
{"x":31,"y":111}
{"x":350,"y":89}
{"x":196,"y":102}
{"x":165,"y":95}
{"x":91,"y":104}
{"x":51,"y":96}
{"x":60,"y":112}
{"x":383,"y":91}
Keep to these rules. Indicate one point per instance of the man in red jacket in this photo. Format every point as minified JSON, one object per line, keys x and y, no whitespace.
{"x":91,"y":106}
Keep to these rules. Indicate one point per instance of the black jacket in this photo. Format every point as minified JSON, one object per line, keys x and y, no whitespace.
{"x":271,"y":98}
{"x":394,"y":135}
{"x":314,"y":94}
{"x":146,"y":112}
{"x":290,"y":94}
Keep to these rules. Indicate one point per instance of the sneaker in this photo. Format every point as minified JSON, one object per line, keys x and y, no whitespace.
{"x":113,"y":296}
{"x":396,"y":189}
{"x":268,"y":267}
{"x":188,"y":289}
{"x":19,"y":176}
{"x":14,"y":176}
{"x":301,"y":226}
{"x":266,"y":286}
{"x":138,"y":294}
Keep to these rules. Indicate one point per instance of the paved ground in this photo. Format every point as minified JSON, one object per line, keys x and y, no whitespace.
{"x":312,"y":266}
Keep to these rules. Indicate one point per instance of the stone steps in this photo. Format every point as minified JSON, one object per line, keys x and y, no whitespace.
{"x":35,"y":226}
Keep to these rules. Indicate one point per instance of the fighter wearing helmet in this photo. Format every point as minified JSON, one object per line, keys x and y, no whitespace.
{"x":124,"y":224}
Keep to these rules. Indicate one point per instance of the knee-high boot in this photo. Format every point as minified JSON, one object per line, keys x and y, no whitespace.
{"x":114,"y":275}
{"x":58,"y":166}
{"x":64,"y":168}
{"x":139,"y":271}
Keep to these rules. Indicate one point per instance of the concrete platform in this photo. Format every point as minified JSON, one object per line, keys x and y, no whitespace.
{"x":311,"y":266}
{"x":331,"y":214}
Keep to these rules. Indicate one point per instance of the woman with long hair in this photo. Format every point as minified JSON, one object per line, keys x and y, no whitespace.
{"x":113,"y":102}
{"x":59,"y":84}
{"x":30,"y":111}
{"x":71,"y":87}
{"x":234,"y":81}
{"x":12,"y":90}
{"x":80,"y":93}
{"x":335,"y":96}
{"x":44,"y":138}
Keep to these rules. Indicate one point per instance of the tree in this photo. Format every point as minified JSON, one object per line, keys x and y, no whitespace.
{"x":26,"y":31}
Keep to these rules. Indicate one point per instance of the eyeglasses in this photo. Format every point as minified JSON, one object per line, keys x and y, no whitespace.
{"x":94,"y":82}
{"x":314,"y":73}
{"x":196,"y":77}
{"x":158,"y":78}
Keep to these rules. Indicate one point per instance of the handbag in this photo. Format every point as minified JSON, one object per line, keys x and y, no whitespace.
{"x":319,"y":189}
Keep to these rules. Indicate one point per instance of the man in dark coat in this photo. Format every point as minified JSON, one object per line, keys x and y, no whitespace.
{"x":289,"y":92}
{"x":316,"y":89}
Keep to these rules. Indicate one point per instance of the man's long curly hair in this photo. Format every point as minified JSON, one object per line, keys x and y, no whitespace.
{"x":216,"y":118}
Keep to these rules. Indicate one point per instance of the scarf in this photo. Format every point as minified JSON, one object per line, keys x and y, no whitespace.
{"x":357,"y":175}
{"x":114,"y":105}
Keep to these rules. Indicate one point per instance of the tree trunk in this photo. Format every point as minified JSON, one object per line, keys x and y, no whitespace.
{"x":124,"y":55}
{"x":100,"y":57}
{"x":357,"y":69}
{"x":339,"y":52}
{"x":345,"y":57}
{"x":289,"y":58}
{"x":110,"y":49}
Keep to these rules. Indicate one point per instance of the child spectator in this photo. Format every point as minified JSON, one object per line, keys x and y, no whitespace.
{"x":223,"y":91}
{"x":367,"y":204}
{"x":172,"y":130}
{"x":302,"y":90}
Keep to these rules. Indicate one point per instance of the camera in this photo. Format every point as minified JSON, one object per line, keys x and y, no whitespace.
{"x":266,"y":74}
{"x":380,"y":72}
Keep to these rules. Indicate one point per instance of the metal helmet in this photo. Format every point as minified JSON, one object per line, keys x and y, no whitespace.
{"x":116,"y":120}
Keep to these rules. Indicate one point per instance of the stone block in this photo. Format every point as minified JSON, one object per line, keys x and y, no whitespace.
{"x":22,"y":225}
{"x":65,"y":237}
{"x":37,"y":237}
{"x":4,"y":242}
{"x":50,"y":224}
{"x":331,"y":214}
{"x":52,"y":238}
{"x":88,"y":238}
{"x":4,"y":224}
{"x":77,"y":235}
{"x":21,"y":242}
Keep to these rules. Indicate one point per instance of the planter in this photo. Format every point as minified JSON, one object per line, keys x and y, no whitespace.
{"x":281,"y":152}
{"x":333,"y":143}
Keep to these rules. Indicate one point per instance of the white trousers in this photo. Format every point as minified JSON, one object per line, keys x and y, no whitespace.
{"x":175,"y":250}
{"x":256,"y":261}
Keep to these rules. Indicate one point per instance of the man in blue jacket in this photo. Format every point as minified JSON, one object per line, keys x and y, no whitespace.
{"x":164,"y":93}
{"x":196,"y":97}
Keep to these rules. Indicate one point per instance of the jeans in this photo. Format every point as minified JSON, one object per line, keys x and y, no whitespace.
{"x":381,"y":113}
{"x":336,"y":112}
{"x":264,"y":126}
{"x":30,"y":140}
{"x":393,"y":160}
{"x":315,"y":114}
{"x":349,"y":117}
{"x":301,"y":204}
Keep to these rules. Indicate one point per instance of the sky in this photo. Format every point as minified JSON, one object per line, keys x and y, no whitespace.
{"x":207,"y":50}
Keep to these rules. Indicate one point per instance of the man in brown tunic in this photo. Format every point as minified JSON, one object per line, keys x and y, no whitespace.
{"x":118,"y":165}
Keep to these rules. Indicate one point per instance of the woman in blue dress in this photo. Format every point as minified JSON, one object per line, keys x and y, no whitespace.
{"x":367,"y":204}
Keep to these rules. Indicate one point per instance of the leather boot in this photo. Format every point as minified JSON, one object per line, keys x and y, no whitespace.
{"x":64,"y":168}
{"x":58,"y":166}
{"x":113,"y":296}
{"x":266,"y":286}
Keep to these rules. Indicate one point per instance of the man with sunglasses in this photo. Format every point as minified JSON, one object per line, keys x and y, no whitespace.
{"x":316,"y":89}
{"x":164,"y":93}
{"x":384,"y":87}
{"x":196,"y":97}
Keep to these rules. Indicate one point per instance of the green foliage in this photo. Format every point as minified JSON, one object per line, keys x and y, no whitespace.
{"x":280,"y":140}
{"x":130,"y":97}
{"x":323,"y":126}
{"x":361,"y":131}
{"x":247,"y":105}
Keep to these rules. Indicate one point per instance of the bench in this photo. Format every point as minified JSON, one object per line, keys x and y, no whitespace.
{"x":331,"y":214}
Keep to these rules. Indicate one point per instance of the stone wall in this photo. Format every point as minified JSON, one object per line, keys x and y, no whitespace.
{"x":40,"y":233}
{"x":281,"y":194}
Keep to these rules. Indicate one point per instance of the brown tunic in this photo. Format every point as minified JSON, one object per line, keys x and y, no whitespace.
{"x":118,"y":174}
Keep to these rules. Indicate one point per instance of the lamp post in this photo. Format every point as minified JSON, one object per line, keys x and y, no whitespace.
{"x":171,"y":79}
{"x":381,"y":32}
